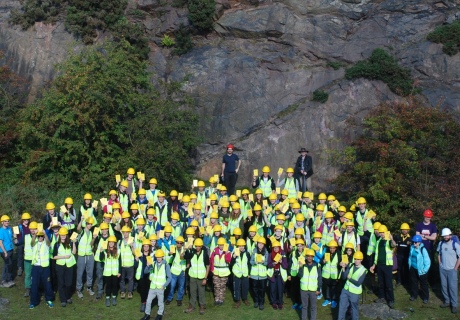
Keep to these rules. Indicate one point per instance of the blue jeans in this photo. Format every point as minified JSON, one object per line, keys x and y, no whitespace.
{"x":180,"y":281}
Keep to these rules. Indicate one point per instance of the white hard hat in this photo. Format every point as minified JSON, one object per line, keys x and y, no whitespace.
{"x":446,"y":232}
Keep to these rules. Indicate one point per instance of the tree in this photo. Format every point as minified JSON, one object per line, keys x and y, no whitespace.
{"x":201,"y":13}
{"x":407,"y":160}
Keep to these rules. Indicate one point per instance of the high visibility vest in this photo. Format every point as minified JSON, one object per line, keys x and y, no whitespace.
{"x":42,"y":255}
{"x":233,"y":224}
{"x":250,"y":246}
{"x":213,"y":243}
{"x":142,"y":209}
{"x":99,"y":248}
{"x":355,"y":276}
{"x":289,"y":185}
{"x":69,"y":223}
{"x":372,"y":243}
{"x":84,"y":245}
{"x":360,"y":221}
{"x":388,"y":252}
{"x":28,"y":250}
{"x":306,"y":211}
{"x":139,"y":270}
{"x":220,"y":266}
{"x":111,"y":266}
{"x":166,"y":257}
{"x":152,"y":196}
{"x":330,"y":270}
{"x":240,"y":268}
{"x":176,"y":230}
{"x":245,"y":206}
{"x":178,"y":264}
{"x":266,"y":187}
{"x":201,"y":198}
{"x":349,"y":239}
{"x":124,"y":200}
{"x":89,"y":213}
{"x":127,"y":257}
{"x":53,"y":239}
{"x":309,"y":280}
{"x":158,"y":276}
{"x":162,"y":214}
{"x":70,"y":262}
{"x":283,"y":273}
{"x":150,"y":228}
{"x":197,"y":268}
{"x":327,"y":235}
{"x":259,"y":269}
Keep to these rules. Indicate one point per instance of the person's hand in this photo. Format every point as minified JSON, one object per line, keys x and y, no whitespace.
{"x":289,"y":278}
{"x":203,"y":283}
{"x":67,"y":256}
{"x":5,"y":254}
{"x":119,"y":275}
{"x":237,"y":170}
{"x":318,"y":293}
{"x":371,"y":269}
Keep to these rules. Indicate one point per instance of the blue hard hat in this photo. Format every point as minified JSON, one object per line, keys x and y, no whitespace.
{"x":417,"y":238}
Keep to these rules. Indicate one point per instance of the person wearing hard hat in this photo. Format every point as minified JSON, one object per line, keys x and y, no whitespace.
{"x":53,"y":236}
{"x":301,"y":226}
{"x":310,"y":284}
{"x":28,"y":257}
{"x":250,"y":241}
{"x":319,"y":250}
{"x":293,"y":270}
{"x":142,"y":201}
{"x":113,"y":198}
{"x":123,"y":195}
{"x":327,"y":228}
{"x":240,"y":266}
{"x":322,"y":200}
{"x":50,"y":214}
{"x":236,"y":219}
{"x":7,"y":241}
{"x":184,"y":209}
{"x":142,"y":277}
{"x":224,"y":212}
{"x":133,"y":183}
{"x":160,"y":277}
{"x":258,"y":274}
{"x":265,"y":182}
{"x":277,"y":267}
{"x":152,"y":193}
{"x":201,"y":195}
{"x":127,"y":247}
{"x":40,"y":270}
{"x":177,"y":227}
{"x":230,"y":166}
{"x":290,"y":183}
{"x":419,"y":264}
{"x":340,"y":218}
{"x":306,"y":206}
{"x":23,"y":231}
{"x":371,"y":252}
{"x":139,"y":234}
{"x":151,"y":225}
{"x":162,"y":209}
{"x":330,"y":273}
{"x":319,"y":217}
{"x":69,"y":215}
{"x":449,"y":261}
{"x":349,"y":236}
{"x":112,"y":270}
{"x":354,"y":275}
{"x":87,"y":210}
{"x":403,"y":243}
{"x":98,"y":243}
{"x":364,"y":226}
{"x":383,"y":261}
{"x":259,"y":220}
{"x":429,"y":232}
{"x":211,"y":189}
{"x":304,"y":169}
{"x":63,"y":254}
{"x":178,"y":265}
{"x":173,"y":202}
{"x":134,"y":213}
{"x":212,"y":205}
{"x":219,"y":265}
{"x":198,"y":271}
{"x":85,"y":259}
{"x":332,"y":204}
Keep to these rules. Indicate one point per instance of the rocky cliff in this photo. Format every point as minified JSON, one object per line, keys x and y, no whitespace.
{"x":254,"y":75}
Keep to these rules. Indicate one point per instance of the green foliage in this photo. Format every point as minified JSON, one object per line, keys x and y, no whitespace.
{"x":384,"y":67}
{"x":183,"y":41}
{"x":85,"y":17}
{"x":406,"y":161}
{"x":35,"y":11}
{"x":179,"y":3}
{"x":201,"y":13}
{"x":167,"y":41}
{"x":133,"y":34}
{"x":334,"y":65}
{"x":448,"y":35}
{"x":320,"y":96}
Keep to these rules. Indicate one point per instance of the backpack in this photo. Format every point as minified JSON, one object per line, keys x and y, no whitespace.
{"x":454,"y":239}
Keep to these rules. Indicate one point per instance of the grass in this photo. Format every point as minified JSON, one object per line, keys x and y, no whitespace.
{"x":88,"y":308}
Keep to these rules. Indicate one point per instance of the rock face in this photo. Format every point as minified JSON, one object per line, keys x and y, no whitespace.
{"x":253,"y":77}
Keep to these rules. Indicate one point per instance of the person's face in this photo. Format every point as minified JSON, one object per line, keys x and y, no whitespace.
{"x":427,"y":219}
{"x":55,"y":230}
{"x":229,"y":150}
{"x":179,"y":244}
{"x":309,"y":259}
{"x":198,"y":249}
{"x":332,"y":249}
{"x":159,"y":259}
{"x":236,"y":211}
{"x":51,"y":212}
{"x":300,"y":247}
{"x":341,"y":213}
{"x":404,"y":231}
{"x":25,"y":222}
{"x":446,"y":238}
{"x":241,"y":248}
{"x":221,"y":246}
{"x":88,"y":226}
{"x":416,"y":245}
{"x":349,"y":229}
{"x":130,"y":176}
{"x":134,"y":211}
{"x":245,"y":196}
{"x":122,"y":188}
{"x":68,"y":206}
{"x":41,"y":238}
{"x":358,"y":262}
{"x":322,"y":201}
{"x":152,"y":186}
{"x":63,"y":238}
{"x":260,"y":245}
{"x":150,"y":217}
{"x":33,"y":231}
{"x":252,"y":234}
{"x":276,"y":249}
{"x":217,"y":234}
{"x":362,"y":206}
{"x":316,"y":240}
{"x":161,"y":199}
{"x":278,"y":233}
{"x":126,"y":235}
{"x":303,"y":154}
{"x":113,"y":197}
{"x":289,"y":174}
{"x":87,"y":202}
{"x":105,"y":232}
{"x":201,"y":189}
{"x":146,"y":247}
{"x":153,"y":242}
{"x":382,"y":234}
{"x":349,"y":251}
{"x":265,"y":174}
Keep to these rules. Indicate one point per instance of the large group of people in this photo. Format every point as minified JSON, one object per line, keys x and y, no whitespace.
{"x":264,"y":243}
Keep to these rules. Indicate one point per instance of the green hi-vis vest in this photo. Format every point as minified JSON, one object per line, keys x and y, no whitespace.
{"x":111,"y":266}
{"x":220,"y":266}
{"x":349,"y":239}
{"x":127,"y":257}
{"x":53,"y":239}
{"x":245,"y":206}
{"x":360,"y":221}
{"x":309,"y":280}
{"x":152,"y":195}
{"x":158,"y":276}
{"x":233,"y":224}
{"x":330,"y":270}
{"x":294,"y":264}
{"x":388,"y":252}
{"x":355,"y":276}
{"x":240,"y":268}
{"x":327,"y":236}
{"x":150,"y":228}
{"x":178,"y":264}
{"x":99,"y":248}
{"x":28,"y":250}
{"x":197,"y":268}
{"x":70,"y":262}
{"x":69,"y":223}
{"x":372,"y":243}
{"x":84,"y":245}
{"x":289,"y":185}
{"x":89,"y":213}
{"x":124,"y":201}
{"x":306,"y":211}
{"x":176,"y":230}
{"x":42,"y":255}
{"x":266,"y":187}
{"x":259,"y":269}
{"x":201,"y":199}
{"x":283,"y":273}
{"x":162,"y":214}
{"x":250,"y":246}
{"x":140,"y":269}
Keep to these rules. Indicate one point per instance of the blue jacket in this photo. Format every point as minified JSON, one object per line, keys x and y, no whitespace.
{"x":423,"y":259}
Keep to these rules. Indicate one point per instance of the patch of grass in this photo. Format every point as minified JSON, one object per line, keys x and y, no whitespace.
{"x":448,"y":35}
{"x":334,"y":65}
{"x":320,"y":96}
{"x":288,"y":110}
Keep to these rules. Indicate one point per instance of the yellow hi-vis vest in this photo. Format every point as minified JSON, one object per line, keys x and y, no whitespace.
{"x":127,"y":257}
{"x":99,"y":248}
{"x":360,"y":221}
{"x":53,"y":240}
{"x":259,"y":269}
{"x":197,"y":268}
{"x":201,"y":199}
{"x":233,"y":224}
{"x":69,"y":223}
{"x":178,"y":264}
{"x":28,"y":250}
{"x":111,"y":266}
{"x":152,"y":195}
{"x":250,"y":246}
{"x":330,"y":270}
{"x":158,"y":276}
{"x":176,"y":230}
{"x":289,"y":185}
{"x":70,"y":262}
{"x":41,"y":256}
{"x":294,"y":264}
{"x":89,"y":213}
{"x":124,"y":201}
{"x":266,"y":187}
{"x":309,"y":280}
{"x":327,"y":235}
{"x":355,"y":276}
{"x":388,"y":252}
{"x":220,"y":266}
{"x":349,"y":239}
{"x":84,"y":246}
{"x":162,"y":214}
{"x":240,"y":268}
{"x":283,"y":273}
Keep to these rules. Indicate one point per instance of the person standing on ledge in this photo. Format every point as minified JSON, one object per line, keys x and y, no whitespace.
{"x":230,"y":169}
{"x":304,"y":169}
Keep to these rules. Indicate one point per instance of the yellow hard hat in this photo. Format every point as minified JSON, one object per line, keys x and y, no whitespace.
{"x":272,"y":196}
{"x":290,"y":170}
{"x":310,"y":252}
{"x":180,"y":239}
{"x":221,"y":241}
{"x":103,"y":226}
{"x":317,"y":235}
{"x":108,"y":215}
{"x":266,"y":169}
{"x":332,"y":243}
{"x":213,"y":197}
{"x":153,"y":236}
{"x":348,"y":216}
{"x":189,"y":231}
{"x":41,"y":233}
{"x":159,"y":253}
{"x":281,"y":217}
{"x":331,"y":197}
{"x":173,"y":193}
{"x":140,"y":221}
{"x":197,"y":206}
{"x":142,"y":192}
{"x":284,"y":192}
{"x":198,"y":242}
{"x":186,"y":199}
{"x":233,"y":198}
{"x":112,"y":239}
{"x":358,"y":255}
{"x":124,"y":183}
{"x":112,"y":192}
{"x":257,"y":207}
{"x":134,"y":206}
{"x":68,"y":200}
{"x":153,"y":181}
{"x":245,"y":191}
{"x":50,"y":206}
{"x":342,"y":209}
{"x":322,"y":196}
{"x":237,"y":232}
{"x":236,"y":206}
{"x":214,"y":215}
{"x":241,"y":243}
{"x":277,"y":207}
{"x":377,"y":225}
{"x":404,"y":226}
{"x":383,"y":228}
{"x":194,"y":223}
{"x":201,"y":183}
{"x":262,"y":240}
{"x":292,"y":201}
{"x":87,"y":196}
{"x":150,"y":212}
{"x":125,"y":215}
{"x":320,"y":207}
{"x":298,"y":231}
{"x":63,"y":232}
{"x":33,"y":225}
{"x":223,"y":188}
{"x":276,"y":244}
{"x":278,"y":227}
{"x":259,"y":191}
{"x":252,"y":228}
{"x":116,"y":205}
{"x":217,"y":228}
{"x":168,"y":229}
{"x":131,"y":171}
{"x":299,"y":241}
{"x":146,"y":242}
{"x":225,"y":204}
{"x":161,"y":194}
{"x":192,"y":196}
{"x":329,"y":215}
{"x":299,"y":217}
{"x":211,"y":180}
{"x":349,"y":224}
{"x":126,"y":229}
{"x":296,"y":205}
{"x":174,"y":216}
{"x":25,"y":216}
{"x":90,"y":220}
{"x":361,"y":200}
{"x":349,"y":245}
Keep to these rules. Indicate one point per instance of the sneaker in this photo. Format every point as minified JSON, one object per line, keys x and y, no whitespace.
{"x":333,"y":304}
{"x":179,"y":303}
{"x":27,"y":293}
{"x":299,"y":307}
{"x":256,"y":305}
{"x":69,"y":301}
{"x":20,"y":272}
{"x":391,"y":304}
{"x":380,"y":300}
{"x":142,"y":309}
{"x":280,"y":307}
{"x":425,"y":301}
{"x":98,"y":296}
{"x":454,"y":310}
{"x":107,"y":301}
{"x":319,"y":296}
{"x":275,"y":306}
{"x":90,"y":291}
{"x":326,"y":302}
{"x":261,"y":307}
{"x":79,"y":294}
{"x":31,"y":306}
{"x":122,"y":295}
{"x":114,"y":301}
{"x":50,"y":304}
{"x":130,"y":295}
{"x":167,"y":302}
{"x":294,"y":306}
{"x":63,"y":304}
{"x":445,"y":305}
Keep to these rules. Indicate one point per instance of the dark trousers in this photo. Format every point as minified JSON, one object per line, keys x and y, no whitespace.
{"x":258,"y":287}
{"x":144,"y":287}
{"x":41,"y":276}
{"x":276,"y":290}
{"x":64,"y":280}
{"x":230,"y":179}
{"x":403,"y":269}
{"x":330,"y":289}
{"x":111,"y":286}
{"x":295,"y":290}
{"x":240,"y":288}
{"x":54,"y":278}
{"x":415,"y":278}
{"x":385,"y":275}
{"x":7,"y":266}
{"x":20,"y":253}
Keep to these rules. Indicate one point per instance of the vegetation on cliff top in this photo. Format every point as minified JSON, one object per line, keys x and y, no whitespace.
{"x":449,"y":36}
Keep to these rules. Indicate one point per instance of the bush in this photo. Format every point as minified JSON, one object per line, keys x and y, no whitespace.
{"x":334,"y":65}
{"x":35,"y":11}
{"x":183,"y":41}
{"x":382,"y":66}
{"x":320,"y":96}
{"x":449,"y":36}
{"x":167,"y":41}
{"x":201,"y":13}
{"x":131,"y":32}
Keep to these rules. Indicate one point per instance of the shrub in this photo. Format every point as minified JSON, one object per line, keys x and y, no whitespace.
{"x":131,"y":32}
{"x":320,"y":96}
{"x":183,"y":41}
{"x":167,"y":41}
{"x":382,"y":66}
{"x":201,"y":13}
{"x":334,"y":65}
{"x":35,"y":11}
{"x":448,"y":35}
